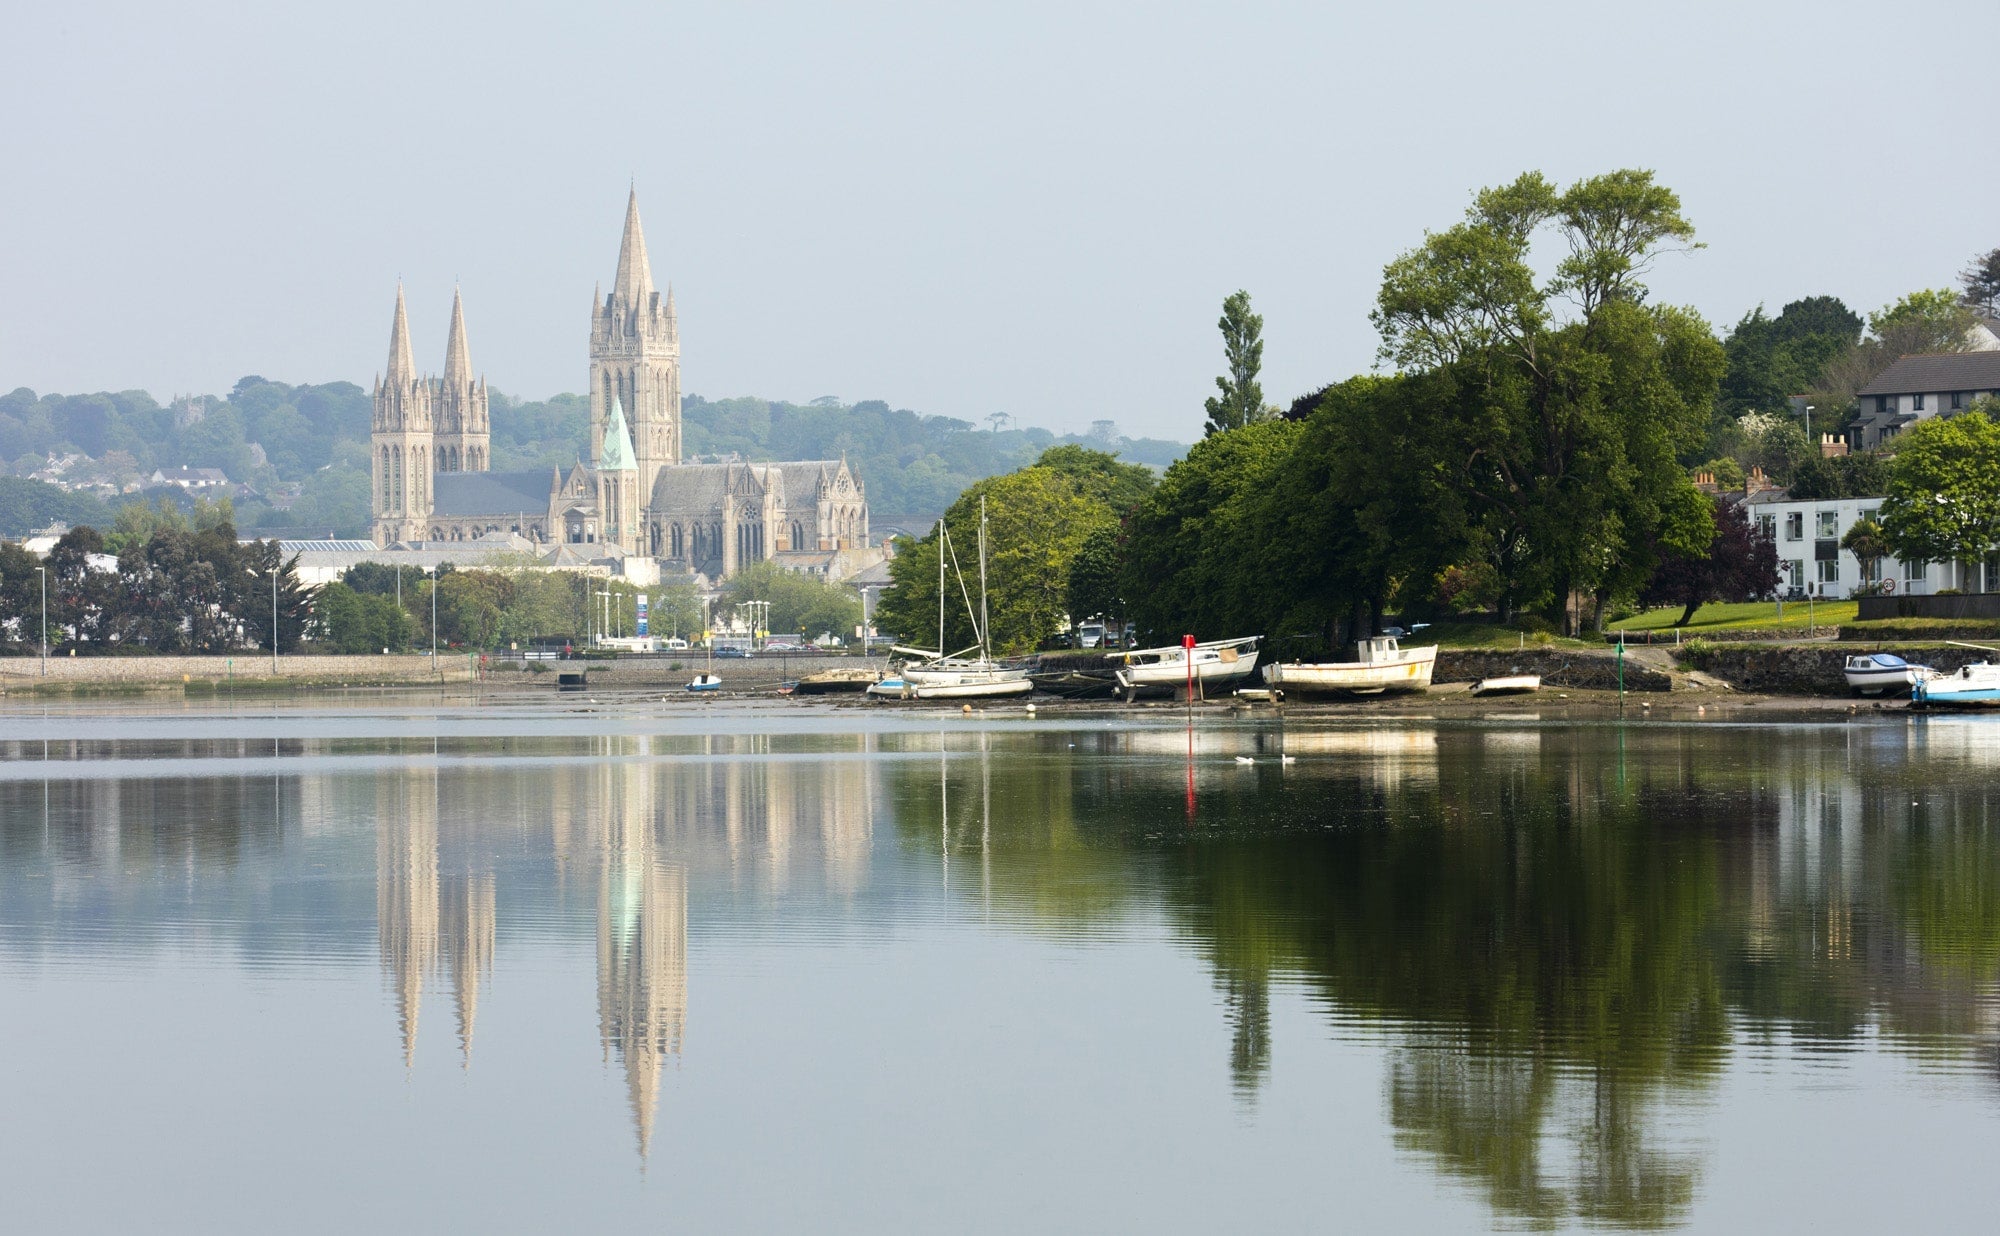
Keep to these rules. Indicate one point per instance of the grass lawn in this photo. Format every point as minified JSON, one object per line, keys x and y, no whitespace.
{"x":1737,"y":616}
{"x":1485,"y":635}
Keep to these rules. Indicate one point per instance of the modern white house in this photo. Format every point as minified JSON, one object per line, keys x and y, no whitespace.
{"x":1917,"y":388}
{"x":1811,"y":561}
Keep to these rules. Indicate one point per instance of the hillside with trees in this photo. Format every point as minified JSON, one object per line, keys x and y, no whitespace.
{"x":300,"y":453}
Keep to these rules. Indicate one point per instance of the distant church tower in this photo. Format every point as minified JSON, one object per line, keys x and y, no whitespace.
{"x":459,"y":410}
{"x":618,"y":501}
{"x":635,"y":360}
{"x":401,"y":440}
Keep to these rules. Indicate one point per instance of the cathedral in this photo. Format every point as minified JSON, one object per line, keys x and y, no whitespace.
{"x":634,"y":507}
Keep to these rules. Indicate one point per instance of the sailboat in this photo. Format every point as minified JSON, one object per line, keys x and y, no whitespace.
{"x":954,"y":676}
{"x":706,"y":680}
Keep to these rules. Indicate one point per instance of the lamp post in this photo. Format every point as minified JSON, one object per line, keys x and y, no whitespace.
{"x":1809,"y":437}
{"x":44,"y":573}
{"x":274,"y":615}
{"x":432,"y":572}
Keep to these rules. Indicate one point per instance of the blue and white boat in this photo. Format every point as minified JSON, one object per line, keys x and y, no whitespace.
{"x":1973,"y":686}
{"x":705,"y":682}
{"x":1884,"y":673}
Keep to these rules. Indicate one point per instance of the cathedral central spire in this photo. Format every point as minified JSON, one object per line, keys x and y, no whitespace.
{"x":634,"y":284}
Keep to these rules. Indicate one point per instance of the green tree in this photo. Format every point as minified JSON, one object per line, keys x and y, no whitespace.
{"x":1576,"y":401}
{"x":1191,"y":563}
{"x":1099,"y":476}
{"x":359,"y":622}
{"x":1981,"y":281}
{"x":1943,"y":502}
{"x":1038,"y":523}
{"x":1772,"y":359}
{"x":1242,"y":399}
{"x":1867,"y":542}
{"x":800,"y":604}
{"x":1093,"y":590}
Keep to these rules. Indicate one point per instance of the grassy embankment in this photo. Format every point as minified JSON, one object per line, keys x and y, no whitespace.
{"x":1719,"y":618}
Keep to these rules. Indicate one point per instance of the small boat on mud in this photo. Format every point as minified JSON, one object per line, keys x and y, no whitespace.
{"x":971,"y":685}
{"x":704,"y":683}
{"x":1077,"y":684}
{"x":1509,"y":684}
{"x":835,"y":681}
{"x":1383,"y":665}
{"x":1974,"y":686}
{"x":955,"y":677}
{"x":1216,"y":663}
{"x":1885,"y":674}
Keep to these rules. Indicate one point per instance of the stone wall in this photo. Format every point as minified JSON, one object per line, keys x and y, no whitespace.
{"x":1558,"y":667}
{"x":249,"y":666}
{"x":1805,"y":669}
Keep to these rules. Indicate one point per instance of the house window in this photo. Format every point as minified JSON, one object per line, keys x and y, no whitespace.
{"x":1885,"y":404}
{"x":1795,"y":570}
{"x":1914,"y":572}
{"x":1829,"y":522}
{"x":1795,"y":525}
{"x":1916,"y":403}
{"x":1767,"y":527}
{"x":1829,"y":570}
{"x":1957,"y":400}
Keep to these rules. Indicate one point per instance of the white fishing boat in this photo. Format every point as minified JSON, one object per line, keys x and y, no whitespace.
{"x":1884,"y":673}
{"x":1216,"y":663}
{"x":1508,"y":684}
{"x":705,"y":682}
{"x":1383,"y":665}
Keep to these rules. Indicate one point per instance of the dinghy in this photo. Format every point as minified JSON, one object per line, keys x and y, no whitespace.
{"x":1512,"y":684}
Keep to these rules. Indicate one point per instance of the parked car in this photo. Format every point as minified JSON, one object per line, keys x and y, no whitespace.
{"x":732,"y":651}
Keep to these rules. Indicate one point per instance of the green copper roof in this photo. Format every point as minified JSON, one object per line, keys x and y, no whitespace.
{"x":617,"y":454}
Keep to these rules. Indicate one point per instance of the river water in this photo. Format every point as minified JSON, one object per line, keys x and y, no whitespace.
{"x":535,"y":965}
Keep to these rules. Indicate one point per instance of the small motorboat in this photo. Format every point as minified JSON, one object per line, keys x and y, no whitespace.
{"x":1974,"y":686}
{"x":833,"y":681}
{"x":1510,"y":684}
{"x":892,"y":687}
{"x":1884,"y":673}
{"x":705,"y":682}
{"x":1383,"y":665}
{"x":1214,"y":664}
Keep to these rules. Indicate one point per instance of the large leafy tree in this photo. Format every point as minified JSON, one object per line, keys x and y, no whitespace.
{"x":1981,"y":281}
{"x":1575,"y":399}
{"x":1241,"y":400}
{"x":1772,"y":359}
{"x":1099,"y":475}
{"x":1739,"y":564}
{"x":1037,"y":523}
{"x":1192,"y":562}
{"x":1943,"y":503}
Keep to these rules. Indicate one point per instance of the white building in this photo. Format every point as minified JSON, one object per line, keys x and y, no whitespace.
{"x":1807,"y":533}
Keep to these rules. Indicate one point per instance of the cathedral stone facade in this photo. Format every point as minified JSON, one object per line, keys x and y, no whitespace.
{"x":635,"y":499}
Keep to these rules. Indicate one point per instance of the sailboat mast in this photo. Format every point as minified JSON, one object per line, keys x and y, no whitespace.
{"x":985,"y":628}
{"x":941,"y":536}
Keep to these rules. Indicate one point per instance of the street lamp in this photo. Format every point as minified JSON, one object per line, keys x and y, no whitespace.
{"x":44,"y":573}
{"x":432,"y":572}
{"x":1809,"y":437}
{"x":274,"y":614}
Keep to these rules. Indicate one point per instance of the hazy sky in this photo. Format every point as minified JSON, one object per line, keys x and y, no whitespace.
{"x":1037,"y":210}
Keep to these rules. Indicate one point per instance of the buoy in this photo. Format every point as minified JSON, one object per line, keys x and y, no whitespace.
{"x":966,"y":709}
{"x":1031,"y":708}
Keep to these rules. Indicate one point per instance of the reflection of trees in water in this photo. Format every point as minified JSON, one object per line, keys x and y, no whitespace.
{"x":1558,"y":930}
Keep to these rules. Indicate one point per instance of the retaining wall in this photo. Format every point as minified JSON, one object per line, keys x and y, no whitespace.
{"x":250,"y":666}
{"x":1977,"y":605}
{"x":1557,"y":667}
{"x":1807,"y":670}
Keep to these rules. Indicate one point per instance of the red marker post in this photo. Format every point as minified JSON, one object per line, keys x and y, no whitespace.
{"x":1187,"y":647}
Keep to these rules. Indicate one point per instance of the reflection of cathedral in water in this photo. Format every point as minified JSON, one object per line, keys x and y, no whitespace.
{"x":626,"y":831}
{"x":426,"y":922}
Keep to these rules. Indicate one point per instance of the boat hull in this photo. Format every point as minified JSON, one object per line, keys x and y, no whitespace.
{"x":1516,"y":684}
{"x":1410,"y":671}
{"x":1974,"y":686}
{"x":1212,"y":668}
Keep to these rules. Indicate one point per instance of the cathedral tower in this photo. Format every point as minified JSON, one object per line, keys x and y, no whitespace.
{"x":459,"y":409}
{"x":635,"y":360}
{"x":618,"y":500}
{"x":400,"y":441}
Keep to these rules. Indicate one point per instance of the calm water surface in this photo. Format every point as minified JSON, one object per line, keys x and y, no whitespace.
{"x":528,"y":966}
